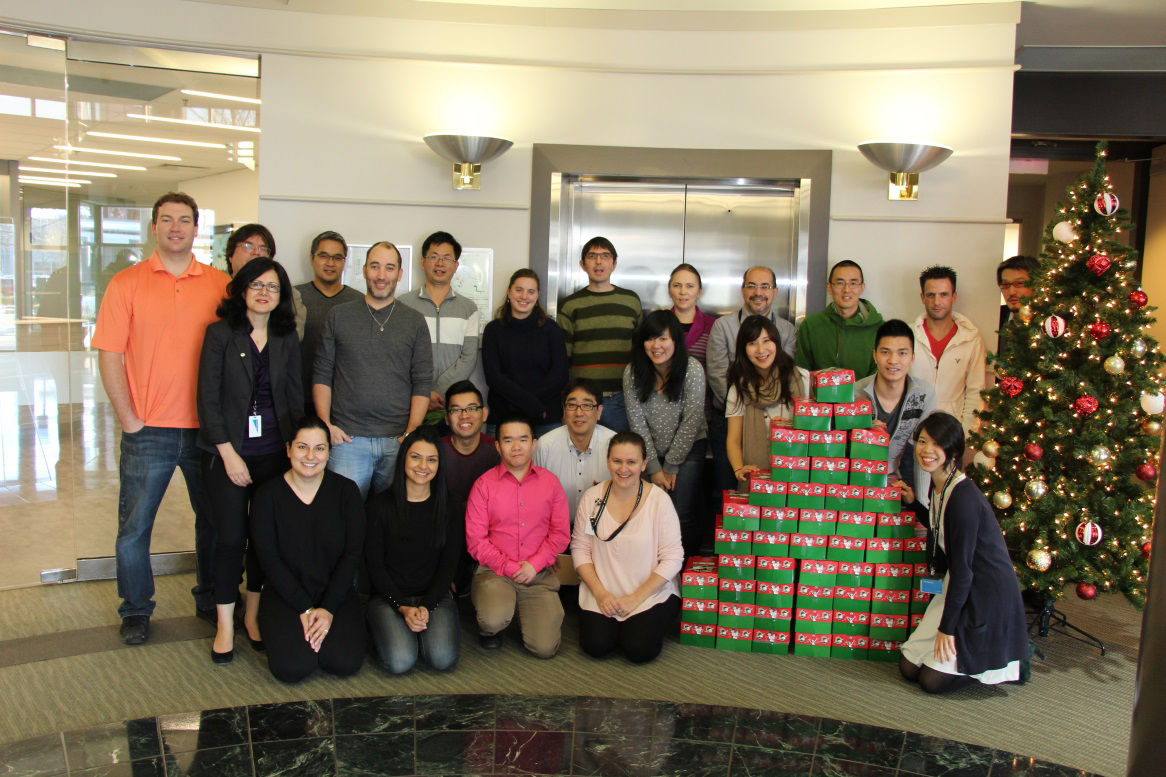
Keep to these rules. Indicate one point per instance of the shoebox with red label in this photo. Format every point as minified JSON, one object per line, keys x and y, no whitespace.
{"x":787,"y":441}
{"x":812,"y":416}
{"x":766,"y":492}
{"x":870,"y":444}
{"x":848,"y":598}
{"x":737,"y":591}
{"x":915,"y":550}
{"x":736,"y":566}
{"x":734,"y":638}
{"x":733,"y":614}
{"x":814,"y":597}
{"x":803,"y":546}
{"x":810,"y":621}
{"x":699,"y":585}
{"x":888,"y":627}
{"x":829,"y":470}
{"x":913,"y":623}
{"x":772,"y":642}
{"x":848,"y":646}
{"x":855,"y":524}
{"x":868,"y":473}
{"x":919,"y":570}
{"x":858,"y":414}
{"x":897,"y":525}
{"x":858,"y":574}
{"x":807,"y":496}
{"x":698,"y":634}
{"x":775,"y":594}
{"x":883,"y":650}
{"x":851,"y":622}
{"x":699,"y":610}
{"x":771,"y":544}
{"x":886,"y":601}
{"x":817,"y":522}
{"x":828,"y":444}
{"x":844,"y":498}
{"x":816,"y":572}
{"x":846,"y":549}
{"x":881,"y":500}
{"x":733,"y":542}
{"x":833,"y":384}
{"x":772,"y":618}
{"x":919,"y":600}
{"x":783,"y":519}
{"x":808,"y":644}
{"x":896,"y":577}
{"x":789,"y":469}
{"x":776,"y":569}
{"x":737,"y":513}
{"x":882,"y":550}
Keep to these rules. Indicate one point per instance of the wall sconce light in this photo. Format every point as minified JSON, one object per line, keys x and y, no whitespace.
{"x":904,"y":161}
{"x":467,"y":152}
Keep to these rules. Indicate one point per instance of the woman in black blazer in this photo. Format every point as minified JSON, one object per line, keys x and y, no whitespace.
{"x":249,"y":399}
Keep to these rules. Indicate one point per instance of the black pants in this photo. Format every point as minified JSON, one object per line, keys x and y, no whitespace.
{"x":289,"y":656}
{"x":640,"y":637}
{"x":230,"y":514}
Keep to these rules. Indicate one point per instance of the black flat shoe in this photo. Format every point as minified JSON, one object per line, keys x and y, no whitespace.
{"x":257,"y":644}
{"x":222,"y":658}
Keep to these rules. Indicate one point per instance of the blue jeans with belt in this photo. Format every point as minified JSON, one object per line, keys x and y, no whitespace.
{"x":366,"y":461}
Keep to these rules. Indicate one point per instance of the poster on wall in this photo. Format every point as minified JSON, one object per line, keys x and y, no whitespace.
{"x":354,"y":267}
{"x":473,"y":279}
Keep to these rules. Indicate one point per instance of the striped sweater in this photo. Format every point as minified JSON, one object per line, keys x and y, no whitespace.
{"x":597,"y":330}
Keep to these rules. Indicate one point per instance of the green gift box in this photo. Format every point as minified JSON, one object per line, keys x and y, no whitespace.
{"x":699,"y":585}
{"x":814,"y":597}
{"x":870,"y":444}
{"x":884,"y":550}
{"x":919,"y":601}
{"x":815,"y":645}
{"x":883,"y":650}
{"x":738,"y":523}
{"x":772,"y":642}
{"x":737,"y":591}
{"x":890,"y":602}
{"x":881,"y":500}
{"x":868,"y":474}
{"x":817,"y":522}
{"x":766,"y":492}
{"x":737,"y":566}
{"x":848,"y":646}
{"x":733,"y":542}
{"x":844,"y":498}
{"x":893,"y":576}
{"x":858,"y":414}
{"x":787,"y":441}
{"x":819,"y":572}
{"x":807,"y":496}
{"x":812,"y":416}
{"x":888,"y":627}
{"x":698,"y":634}
{"x":776,"y":569}
{"x":770,"y":544}
{"x":779,"y":519}
{"x":915,"y":550}
{"x":855,"y":524}
{"x":833,"y":384}
{"x":852,"y":599}
{"x":771,"y":594}
{"x":734,"y":638}
{"x":699,"y":610}
{"x":851,"y":622}
{"x":829,"y":470}
{"x":808,"y":546}
{"x":736,"y":615}
{"x":846,"y":548}
{"x":772,"y":618}
{"x":810,"y":621}
{"x":828,"y":444}
{"x":789,"y":469}
{"x":898,"y":525}
{"x":859,"y":574}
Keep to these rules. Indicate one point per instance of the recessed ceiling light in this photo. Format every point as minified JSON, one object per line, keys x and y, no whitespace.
{"x":65,"y":184}
{"x":191,"y":122}
{"x":90,"y":173}
{"x":217,"y":96}
{"x":137,"y":154}
{"x":110,"y":165}
{"x":151,"y":139}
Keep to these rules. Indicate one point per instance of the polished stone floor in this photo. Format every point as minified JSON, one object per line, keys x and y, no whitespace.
{"x":502,"y":735}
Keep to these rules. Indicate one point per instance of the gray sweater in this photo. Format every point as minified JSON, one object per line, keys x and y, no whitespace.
{"x":669,"y":429}
{"x":917,"y":405}
{"x":453,"y":330}
{"x":374,"y":374}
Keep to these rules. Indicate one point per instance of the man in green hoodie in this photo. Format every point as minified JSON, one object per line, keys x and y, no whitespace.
{"x":842,"y":335}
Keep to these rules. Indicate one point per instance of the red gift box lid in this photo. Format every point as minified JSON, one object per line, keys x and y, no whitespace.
{"x":761,"y":484}
{"x":737,"y":586}
{"x":861,"y":406}
{"x":919,"y":596}
{"x":805,"y":407}
{"x":832,"y":437}
{"x":736,"y":610}
{"x":733,"y":535}
{"x":855,"y":568}
{"x":814,"y":515}
{"x":849,"y":640}
{"x":848,"y":543}
{"x":808,"y":540}
{"x":871,"y":437}
{"x":807,"y":489}
{"x":775,"y":562}
{"x":731,"y":560}
{"x":874,"y":492}
{"x":775,"y":589}
{"x":734,"y":497}
{"x":921,"y":570}
{"x":893,"y":570}
{"x":741,"y":511}
{"x":816,"y":591}
{"x":857,"y":519}
{"x":869,"y":467}
{"x":891,"y":596}
{"x":814,"y":616}
{"x":889,"y":645}
{"x":770,"y":538}
{"x":773,"y":613}
{"x":829,"y":464}
{"x":779,"y":513}
{"x":785,"y":433}
{"x":700,"y":605}
{"x":691,"y":577}
{"x":843,"y":491}
{"x":700,"y":629}
{"x":732,"y":632}
{"x":818,"y":566}
{"x":813,"y":640}
{"x":831,"y":376}
{"x":896,"y":519}
{"x":771,"y":637}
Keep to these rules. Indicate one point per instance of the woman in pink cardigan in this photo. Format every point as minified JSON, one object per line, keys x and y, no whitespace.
{"x":627,"y":551}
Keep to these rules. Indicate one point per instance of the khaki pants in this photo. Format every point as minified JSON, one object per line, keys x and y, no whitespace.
{"x":540,"y":613}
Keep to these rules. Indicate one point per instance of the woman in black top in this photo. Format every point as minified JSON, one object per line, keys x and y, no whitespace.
{"x":308,"y":527}
{"x":249,"y":397}
{"x":412,"y":549}
{"x":974,"y":630}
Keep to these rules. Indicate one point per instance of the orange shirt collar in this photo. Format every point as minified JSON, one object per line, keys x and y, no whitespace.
{"x":194,"y":268}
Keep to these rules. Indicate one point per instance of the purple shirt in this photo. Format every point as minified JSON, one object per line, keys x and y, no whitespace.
{"x":508,"y":522}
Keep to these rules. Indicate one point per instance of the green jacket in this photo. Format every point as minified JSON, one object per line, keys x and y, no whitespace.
{"x":826,"y":339}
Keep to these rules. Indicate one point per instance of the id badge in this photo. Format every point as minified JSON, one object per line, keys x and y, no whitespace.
{"x":254,"y":426}
{"x":931,"y":585}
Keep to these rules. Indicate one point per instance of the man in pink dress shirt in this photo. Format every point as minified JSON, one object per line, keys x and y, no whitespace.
{"x":516,"y":526}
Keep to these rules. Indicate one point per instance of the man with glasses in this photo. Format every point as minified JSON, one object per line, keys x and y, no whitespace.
{"x":598,"y":322}
{"x":452,"y":320}
{"x":1014,"y":277}
{"x":843,"y":334}
{"x":577,"y":451}
{"x":325,"y":291}
{"x":253,"y":241}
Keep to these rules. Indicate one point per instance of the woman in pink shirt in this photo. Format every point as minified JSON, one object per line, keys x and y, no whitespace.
{"x":627,"y":551}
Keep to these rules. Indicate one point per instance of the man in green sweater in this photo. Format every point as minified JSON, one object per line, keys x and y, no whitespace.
{"x":842,"y":335}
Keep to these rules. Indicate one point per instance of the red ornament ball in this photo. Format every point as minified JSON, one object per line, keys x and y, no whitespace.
{"x":1098,"y":264}
{"x":1033,"y":452}
{"x":1147,"y":472}
{"x":1106,"y":204}
{"x":1139,"y":298}
{"x":1147,"y":550}
{"x":1100,"y":330}
{"x":1088,"y":533}
{"x":1010,"y":386}
{"x":1085,"y":405}
{"x":1086,"y":591}
{"x":1054,"y":326}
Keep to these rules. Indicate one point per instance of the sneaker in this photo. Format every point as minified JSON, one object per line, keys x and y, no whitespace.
{"x":490,"y":641}
{"x":135,"y":629}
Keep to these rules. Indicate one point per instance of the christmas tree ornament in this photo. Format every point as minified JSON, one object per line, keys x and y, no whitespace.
{"x":1088,"y":533}
{"x":1106,"y":204}
{"x":1024,"y":313}
{"x":1086,"y":591}
{"x":1139,"y":298}
{"x":1138,"y":348}
{"x":1099,"y":455}
{"x":1152,"y":427}
{"x":1035,"y":489}
{"x":1098,"y":264}
{"x":983,"y":460}
{"x":1114,"y":365}
{"x":1039,"y":559}
{"x":1002,"y":499}
{"x":1147,"y":472}
{"x":1147,"y":550}
{"x":1152,"y":403}
{"x":1063,"y":231}
{"x":991,"y":448}
{"x":1130,"y":264}
{"x":1100,"y":330}
{"x":1054,"y":326}
{"x":1011,"y":386}
{"x":1085,"y":405}
{"x":1033,"y":452}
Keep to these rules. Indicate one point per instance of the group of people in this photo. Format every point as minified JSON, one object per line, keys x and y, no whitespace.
{"x":334,"y":446}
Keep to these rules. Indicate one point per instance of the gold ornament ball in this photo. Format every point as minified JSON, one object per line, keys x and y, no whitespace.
{"x":991,"y":449}
{"x":1039,"y":559}
{"x":1035,"y":490}
{"x":1024,"y":314}
{"x":1114,"y":365}
{"x":1099,"y":456}
{"x":1002,"y":499}
{"x":1138,"y":348}
{"x":1152,"y":427}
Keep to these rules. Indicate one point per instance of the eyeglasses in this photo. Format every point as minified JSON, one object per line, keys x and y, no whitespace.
{"x":575,"y":407}
{"x":467,"y":410}
{"x":598,"y":255}
{"x":260,"y":286}
{"x":1018,"y":285}
{"x":324,"y":256}
{"x":255,"y":248}
{"x":751,"y":287}
{"x":441,"y":258}
{"x":846,"y":284}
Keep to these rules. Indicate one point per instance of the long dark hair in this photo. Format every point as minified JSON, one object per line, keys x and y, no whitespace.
{"x":506,"y":314}
{"x":743,"y":375}
{"x":233,"y":308}
{"x":655,"y":324}
{"x":396,"y":528}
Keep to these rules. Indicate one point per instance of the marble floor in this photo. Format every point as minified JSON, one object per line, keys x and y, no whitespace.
{"x":502,"y":735}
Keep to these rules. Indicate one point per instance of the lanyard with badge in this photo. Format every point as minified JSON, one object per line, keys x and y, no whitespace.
{"x":933,"y":583}
{"x":599,"y":505}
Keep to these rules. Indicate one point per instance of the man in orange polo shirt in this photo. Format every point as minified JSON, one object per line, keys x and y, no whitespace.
{"x":149,"y":335}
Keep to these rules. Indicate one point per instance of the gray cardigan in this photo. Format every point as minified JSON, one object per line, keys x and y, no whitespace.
{"x":917,"y":405}
{"x":669,"y":429}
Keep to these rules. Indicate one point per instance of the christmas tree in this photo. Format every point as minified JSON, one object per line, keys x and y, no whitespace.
{"x":1069,"y":436}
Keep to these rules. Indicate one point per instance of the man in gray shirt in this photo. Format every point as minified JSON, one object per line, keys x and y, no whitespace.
{"x":373,"y":374}
{"x":324,"y":292}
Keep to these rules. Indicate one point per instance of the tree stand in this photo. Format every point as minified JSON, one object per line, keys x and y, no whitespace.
{"x":1048,"y":617}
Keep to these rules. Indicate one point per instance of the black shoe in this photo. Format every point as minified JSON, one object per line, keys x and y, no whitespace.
{"x":135,"y":629}
{"x":490,"y":641}
{"x":211,"y":616}
{"x":222,"y":658}
{"x":257,"y":644}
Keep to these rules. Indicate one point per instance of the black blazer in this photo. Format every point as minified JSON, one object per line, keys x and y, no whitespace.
{"x":225,"y":378}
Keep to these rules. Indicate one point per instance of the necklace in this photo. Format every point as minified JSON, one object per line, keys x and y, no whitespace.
{"x":381,"y":326}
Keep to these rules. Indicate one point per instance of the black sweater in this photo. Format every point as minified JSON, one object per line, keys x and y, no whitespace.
{"x":407,"y":563}
{"x":525,"y":366}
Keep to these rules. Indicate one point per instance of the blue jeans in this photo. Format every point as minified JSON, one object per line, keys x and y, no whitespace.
{"x":148,"y":459}
{"x":365,"y":461}
{"x":397,"y":647}
{"x":686,"y":496}
{"x":615,"y":413}
{"x":723,"y":477}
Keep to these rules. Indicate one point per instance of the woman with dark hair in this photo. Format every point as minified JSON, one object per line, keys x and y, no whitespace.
{"x":974,"y":627}
{"x":524,"y":357}
{"x":627,"y":550}
{"x":685,"y":288}
{"x":249,"y":397}
{"x":664,"y":389}
{"x":412,"y":548}
{"x":255,"y":241}
{"x":308,"y":528}
{"x":763,"y":383}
